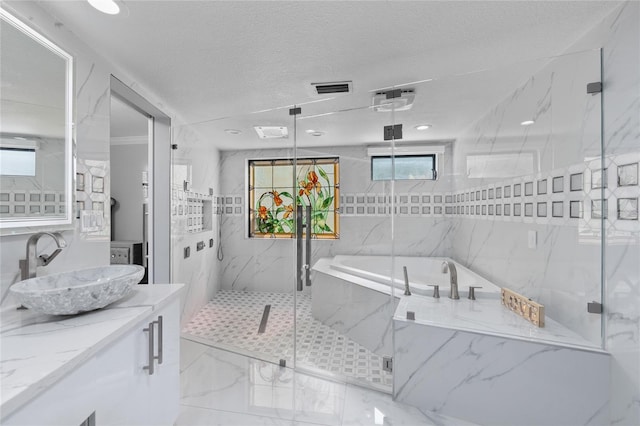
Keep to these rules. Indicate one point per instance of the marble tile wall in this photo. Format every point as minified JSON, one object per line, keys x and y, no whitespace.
{"x":92,"y":150}
{"x":551,"y":203}
{"x":192,"y":219}
{"x":268,"y":264}
{"x":500,"y":250}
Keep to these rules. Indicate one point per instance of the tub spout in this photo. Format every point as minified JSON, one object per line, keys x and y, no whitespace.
{"x":449,"y":267}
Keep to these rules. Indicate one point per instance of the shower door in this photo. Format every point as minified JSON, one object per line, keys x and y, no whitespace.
{"x":235,"y":211}
{"x":343,"y":326}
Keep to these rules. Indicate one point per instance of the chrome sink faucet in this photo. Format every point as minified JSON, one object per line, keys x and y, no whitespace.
{"x":28,"y":266}
{"x":449,"y":267}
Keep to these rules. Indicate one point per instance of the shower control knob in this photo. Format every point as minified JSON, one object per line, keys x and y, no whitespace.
{"x":472,"y":292}
{"x":436,"y":290}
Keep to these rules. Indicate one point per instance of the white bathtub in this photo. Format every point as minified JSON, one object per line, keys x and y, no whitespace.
{"x":352,"y":294}
{"x":422,"y":271}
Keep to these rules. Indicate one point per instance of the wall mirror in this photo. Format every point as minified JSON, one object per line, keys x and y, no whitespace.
{"x":36,"y":168}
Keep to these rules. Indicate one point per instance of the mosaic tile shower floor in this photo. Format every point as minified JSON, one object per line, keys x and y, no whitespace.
{"x":231,"y":320}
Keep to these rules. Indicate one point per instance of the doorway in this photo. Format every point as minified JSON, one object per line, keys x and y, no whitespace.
{"x":141,"y":176}
{"x":129,"y":159}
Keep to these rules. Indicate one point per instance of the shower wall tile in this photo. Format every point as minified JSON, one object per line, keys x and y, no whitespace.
{"x":365,"y":220}
{"x":193,"y":219}
{"x":554,"y":202}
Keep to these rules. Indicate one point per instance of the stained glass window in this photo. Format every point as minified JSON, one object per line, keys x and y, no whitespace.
{"x":275,"y":191}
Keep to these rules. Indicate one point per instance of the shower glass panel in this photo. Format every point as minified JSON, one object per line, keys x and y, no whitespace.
{"x":519,"y":196}
{"x":343,"y":313}
{"x":498,"y":172}
{"x":242,"y":196}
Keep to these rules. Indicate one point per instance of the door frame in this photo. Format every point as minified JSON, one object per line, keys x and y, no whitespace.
{"x":159,"y":262}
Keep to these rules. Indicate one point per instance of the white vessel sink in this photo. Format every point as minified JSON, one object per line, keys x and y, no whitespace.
{"x":79,"y":291}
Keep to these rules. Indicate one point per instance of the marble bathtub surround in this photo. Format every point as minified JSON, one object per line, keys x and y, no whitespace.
{"x":497,"y":379}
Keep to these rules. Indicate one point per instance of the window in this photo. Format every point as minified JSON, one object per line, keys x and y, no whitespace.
{"x":406,"y":167}
{"x":273,"y":198}
{"x":17,"y":162}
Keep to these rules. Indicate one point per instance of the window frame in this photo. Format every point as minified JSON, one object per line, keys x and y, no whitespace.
{"x":251,"y":216}
{"x":433,"y":155}
{"x":30,"y":150}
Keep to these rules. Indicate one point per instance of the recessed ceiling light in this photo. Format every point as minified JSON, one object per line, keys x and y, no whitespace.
{"x":233,"y":131}
{"x":105,"y":6}
{"x":317,"y":133}
{"x":423,"y":126}
{"x":527,"y":123}
{"x":310,"y":131}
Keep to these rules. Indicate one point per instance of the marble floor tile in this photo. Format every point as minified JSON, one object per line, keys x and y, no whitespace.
{"x":220,"y":380}
{"x":225,"y":388}
{"x":368,"y":407}
{"x":231,"y":319}
{"x":195,"y":416}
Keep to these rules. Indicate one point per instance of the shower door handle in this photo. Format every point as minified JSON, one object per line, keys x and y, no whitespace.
{"x":299,"y":277}
{"x":307,"y":266}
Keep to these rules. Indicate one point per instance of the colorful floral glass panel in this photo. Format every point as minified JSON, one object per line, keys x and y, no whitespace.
{"x":275,"y":191}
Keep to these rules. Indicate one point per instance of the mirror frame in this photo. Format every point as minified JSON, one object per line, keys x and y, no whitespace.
{"x":26,"y":224}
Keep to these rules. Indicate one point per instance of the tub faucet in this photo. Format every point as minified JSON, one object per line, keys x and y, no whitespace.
{"x":448,"y":266}
{"x":28,"y":266}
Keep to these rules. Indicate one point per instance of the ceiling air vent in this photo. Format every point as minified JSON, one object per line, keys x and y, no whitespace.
{"x":332,"y":88}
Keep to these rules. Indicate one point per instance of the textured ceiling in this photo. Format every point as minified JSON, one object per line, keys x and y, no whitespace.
{"x":209,"y":60}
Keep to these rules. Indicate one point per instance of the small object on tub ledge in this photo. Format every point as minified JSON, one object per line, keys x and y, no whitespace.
{"x":523,"y":306}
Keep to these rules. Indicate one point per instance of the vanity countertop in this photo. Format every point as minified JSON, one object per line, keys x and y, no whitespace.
{"x":37,"y":350}
{"x":487,"y":316}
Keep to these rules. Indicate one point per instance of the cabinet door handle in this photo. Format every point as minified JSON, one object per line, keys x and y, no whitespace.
{"x":150,"y":329}
{"x":160,"y":335}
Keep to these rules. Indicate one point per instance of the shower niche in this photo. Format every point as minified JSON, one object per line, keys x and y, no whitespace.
{"x":198,"y":209}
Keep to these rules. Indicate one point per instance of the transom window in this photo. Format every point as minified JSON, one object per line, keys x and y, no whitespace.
{"x":407,"y":167}
{"x":273,"y":197}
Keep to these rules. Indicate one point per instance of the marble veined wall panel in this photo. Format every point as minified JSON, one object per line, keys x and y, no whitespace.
{"x":193,"y":219}
{"x":498,"y":381}
{"x":268,"y":265}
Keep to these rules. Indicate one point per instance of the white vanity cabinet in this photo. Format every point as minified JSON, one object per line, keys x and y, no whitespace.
{"x":113,"y":385}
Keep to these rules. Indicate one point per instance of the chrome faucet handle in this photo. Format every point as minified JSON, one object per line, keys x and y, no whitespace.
{"x":436,"y":290}
{"x":407,"y":291}
{"x":472,"y":292}
{"x":44,"y":260}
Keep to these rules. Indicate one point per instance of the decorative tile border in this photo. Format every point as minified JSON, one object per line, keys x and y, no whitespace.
{"x":17,"y":203}
{"x":193,"y":209}
{"x":92,"y":189}
{"x":570,"y":196}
